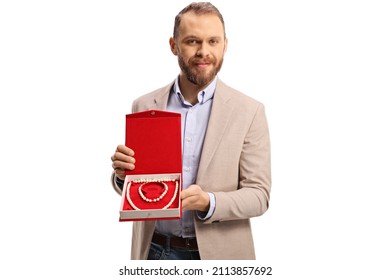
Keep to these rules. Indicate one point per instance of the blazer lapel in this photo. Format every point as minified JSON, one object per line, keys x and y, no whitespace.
{"x":221,"y":114}
{"x":161,"y":98}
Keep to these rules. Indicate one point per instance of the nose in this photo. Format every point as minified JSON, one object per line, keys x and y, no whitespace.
{"x":203,"y":50}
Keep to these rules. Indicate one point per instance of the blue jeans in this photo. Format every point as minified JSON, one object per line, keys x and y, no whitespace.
{"x":158,"y":252}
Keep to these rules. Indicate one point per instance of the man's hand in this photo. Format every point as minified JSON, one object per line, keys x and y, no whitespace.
{"x":194,"y":198}
{"x":122,"y":160}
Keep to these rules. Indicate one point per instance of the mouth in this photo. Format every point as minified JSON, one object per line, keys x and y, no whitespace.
{"x":202,"y":64}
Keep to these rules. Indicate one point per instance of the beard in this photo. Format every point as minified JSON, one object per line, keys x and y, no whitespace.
{"x":199,"y":78}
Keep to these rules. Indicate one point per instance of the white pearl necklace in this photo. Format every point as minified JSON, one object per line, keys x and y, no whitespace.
{"x":146,"y":181}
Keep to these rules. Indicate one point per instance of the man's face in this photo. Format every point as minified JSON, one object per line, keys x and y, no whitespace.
{"x":200,"y":47}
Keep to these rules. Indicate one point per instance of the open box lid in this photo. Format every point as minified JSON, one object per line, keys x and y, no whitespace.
{"x":155,"y":137}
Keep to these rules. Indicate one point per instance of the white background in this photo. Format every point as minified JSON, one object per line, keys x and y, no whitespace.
{"x":69,"y":71}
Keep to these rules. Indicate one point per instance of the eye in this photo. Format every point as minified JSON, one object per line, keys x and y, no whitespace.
{"x":192,"y":42}
{"x":213,"y":42}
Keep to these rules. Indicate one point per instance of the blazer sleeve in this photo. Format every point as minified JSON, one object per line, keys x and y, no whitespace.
{"x":252,"y":194}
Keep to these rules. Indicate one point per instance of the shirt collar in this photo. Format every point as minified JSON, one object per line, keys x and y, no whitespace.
{"x":203,"y":96}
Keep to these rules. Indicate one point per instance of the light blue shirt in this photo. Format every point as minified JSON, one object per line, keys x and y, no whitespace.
{"x":194,"y":120}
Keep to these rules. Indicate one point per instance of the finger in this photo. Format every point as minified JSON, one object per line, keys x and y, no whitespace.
{"x":184,"y":207}
{"x":120,"y":174}
{"x":121,"y":165}
{"x":185,"y":194}
{"x":185,"y":204}
{"x":118,"y":156}
{"x":125,"y":150}
{"x":191,"y":190}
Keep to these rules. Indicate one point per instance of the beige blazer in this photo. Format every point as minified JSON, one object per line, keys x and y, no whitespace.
{"x":234,"y":165}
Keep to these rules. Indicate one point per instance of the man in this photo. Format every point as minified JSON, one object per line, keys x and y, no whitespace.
{"x":226,"y":151}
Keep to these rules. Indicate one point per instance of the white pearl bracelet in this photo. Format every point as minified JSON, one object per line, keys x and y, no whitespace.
{"x":141,"y":193}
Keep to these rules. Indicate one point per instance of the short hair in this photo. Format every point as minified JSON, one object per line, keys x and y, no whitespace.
{"x":199,"y":8}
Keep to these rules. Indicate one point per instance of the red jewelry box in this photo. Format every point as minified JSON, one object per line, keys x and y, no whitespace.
{"x":152,"y":190}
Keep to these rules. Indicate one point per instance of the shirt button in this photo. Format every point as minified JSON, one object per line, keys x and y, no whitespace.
{"x":187,"y":169}
{"x":188,"y":139}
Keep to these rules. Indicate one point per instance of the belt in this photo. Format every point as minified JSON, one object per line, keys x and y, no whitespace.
{"x":175,"y":241}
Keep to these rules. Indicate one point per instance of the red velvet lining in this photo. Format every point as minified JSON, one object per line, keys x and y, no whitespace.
{"x":155,"y":137}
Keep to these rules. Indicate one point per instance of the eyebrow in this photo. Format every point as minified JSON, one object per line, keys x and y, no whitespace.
{"x":197,"y":38}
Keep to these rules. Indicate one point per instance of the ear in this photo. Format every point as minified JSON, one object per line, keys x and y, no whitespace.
{"x":226,"y":44}
{"x":172,"y":44}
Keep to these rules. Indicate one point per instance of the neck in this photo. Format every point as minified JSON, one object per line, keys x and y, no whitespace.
{"x":189,"y":90}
